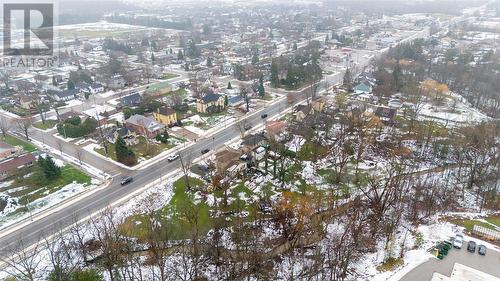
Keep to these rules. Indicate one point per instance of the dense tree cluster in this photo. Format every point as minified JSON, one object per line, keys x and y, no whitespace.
{"x":113,"y":45}
{"x":74,"y":127}
{"x":299,"y":71}
{"x":412,"y":63}
{"x":151,"y":21}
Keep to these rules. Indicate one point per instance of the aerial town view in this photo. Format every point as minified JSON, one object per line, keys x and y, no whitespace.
{"x":250,"y":140}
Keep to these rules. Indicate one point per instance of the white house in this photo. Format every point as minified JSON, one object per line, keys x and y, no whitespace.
{"x":66,"y":95}
{"x":95,"y":88}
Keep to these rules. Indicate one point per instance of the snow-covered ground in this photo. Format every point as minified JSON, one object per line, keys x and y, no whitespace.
{"x":455,"y":110}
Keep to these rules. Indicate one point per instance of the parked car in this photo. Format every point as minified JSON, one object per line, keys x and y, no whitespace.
{"x":481,"y":250}
{"x":263,"y":116}
{"x":458,"y":241}
{"x":126,"y":180}
{"x":172,"y":157}
{"x":247,"y":127}
{"x":471,"y":246}
{"x":266,"y":208}
{"x":205,"y":151}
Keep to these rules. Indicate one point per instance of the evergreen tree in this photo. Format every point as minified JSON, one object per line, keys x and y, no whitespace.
{"x":192,"y":50}
{"x":49,"y":167}
{"x":71,"y":85}
{"x":261,"y":89}
{"x":229,"y":86}
{"x":347,"y":81}
{"x":275,"y":81}
{"x":294,"y":46}
{"x":209,"y":62}
{"x":180,"y":55}
{"x":54,"y":82}
{"x":291,"y":77}
{"x":152,"y":57}
{"x":186,"y":67}
{"x":124,"y":154}
{"x":255,"y":59}
{"x":226,"y":101}
{"x":397,"y":74}
{"x":327,"y":39}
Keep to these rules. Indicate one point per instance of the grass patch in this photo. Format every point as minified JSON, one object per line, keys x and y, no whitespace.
{"x":176,"y":215}
{"x":310,"y":151}
{"x":494,"y":220}
{"x":169,"y":75}
{"x":37,"y":186}
{"x":390,"y":264}
{"x":49,"y":124}
{"x":18,"y":142}
{"x":142,"y":149}
{"x":469,"y":224}
{"x":183,"y":215}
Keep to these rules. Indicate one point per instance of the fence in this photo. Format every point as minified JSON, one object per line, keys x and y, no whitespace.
{"x":486,"y":232}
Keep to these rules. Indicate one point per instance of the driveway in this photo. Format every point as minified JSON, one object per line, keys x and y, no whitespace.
{"x":489,"y":264}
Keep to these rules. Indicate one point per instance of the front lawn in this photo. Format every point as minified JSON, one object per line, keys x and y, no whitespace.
{"x":49,"y":124}
{"x":143,"y":148}
{"x":18,"y":142}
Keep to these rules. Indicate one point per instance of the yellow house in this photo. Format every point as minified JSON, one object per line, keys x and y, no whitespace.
{"x":166,"y":116}
{"x":210,"y":103}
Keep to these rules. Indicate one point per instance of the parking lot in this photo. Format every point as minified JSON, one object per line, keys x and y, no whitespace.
{"x":490,"y":263}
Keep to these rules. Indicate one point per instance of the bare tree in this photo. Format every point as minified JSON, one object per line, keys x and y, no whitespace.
{"x":241,"y":125}
{"x":60,"y":145}
{"x":80,"y":155}
{"x":186,"y":163}
{"x":245,"y":93}
{"x":24,"y":124}
{"x":5,"y":125}
{"x":23,"y":263}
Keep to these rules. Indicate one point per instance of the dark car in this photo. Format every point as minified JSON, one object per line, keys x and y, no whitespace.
{"x":481,"y":250}
{"x":247,"y":127}
{"x":126,"y":180}
{"x":205,"y":151}
{"x":263,"y":116}
{"x":471,"y":246}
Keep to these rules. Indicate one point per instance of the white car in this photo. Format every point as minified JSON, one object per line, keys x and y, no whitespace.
{"x":172,"y":157}
{"x":458,"y":241}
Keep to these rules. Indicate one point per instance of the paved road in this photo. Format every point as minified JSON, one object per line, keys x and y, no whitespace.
{"x":489,"y":264}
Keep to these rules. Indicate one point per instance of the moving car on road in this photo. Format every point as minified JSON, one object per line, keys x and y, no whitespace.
{"x":481,"y":250}
{"x":263,"y":116}
{"x":205,"y":151}
{"x":173,"y":157}
{"x":126,"y":180}
{"x":471,"y":246}
{"x":247,"y":127}
{"x":458,"y":241}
